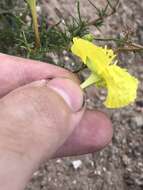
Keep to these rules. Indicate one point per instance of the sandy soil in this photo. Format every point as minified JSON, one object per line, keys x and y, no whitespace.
{"x":120,"y":165}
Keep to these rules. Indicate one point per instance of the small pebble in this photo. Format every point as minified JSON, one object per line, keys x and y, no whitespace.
{"x":38,"y":9}
{"x":58,"y":161}
{"x":74,"y":182}
{"x":138,"y":120}
{"x":76,"y":164}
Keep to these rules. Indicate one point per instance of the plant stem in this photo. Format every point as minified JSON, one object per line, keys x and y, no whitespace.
{"x":106,"y":39}
{"x":32,"y":4}
{"x":126,"y":49}
{"x":89,"y":81}
{"x":133,"y":47}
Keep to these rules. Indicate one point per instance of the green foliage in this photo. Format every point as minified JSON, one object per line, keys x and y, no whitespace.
{"x":58,"y":37}
{"x":54,"y":38}
{"x":7,"y":4}
{"x":11,"y":6}
{"x":17,"y":37}
{"x":104,"y":12}
{"x":10,"y":25}
{"x":9,"y":32}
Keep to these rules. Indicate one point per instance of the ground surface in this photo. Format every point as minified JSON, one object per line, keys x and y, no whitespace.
{"x":120,"y":165}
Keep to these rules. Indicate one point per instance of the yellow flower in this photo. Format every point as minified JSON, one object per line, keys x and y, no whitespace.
{"x":121,"y":86}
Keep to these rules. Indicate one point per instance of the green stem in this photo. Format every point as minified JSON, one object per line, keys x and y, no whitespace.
{"x":32,"y":4}
{"x":89,"y":81}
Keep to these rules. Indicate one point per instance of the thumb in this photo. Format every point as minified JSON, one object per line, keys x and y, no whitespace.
{"x":39,"y":117}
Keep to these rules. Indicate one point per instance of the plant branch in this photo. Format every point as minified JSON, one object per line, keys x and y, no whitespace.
{"x":126,"y":45}
{"x":32,"y":5}
{"x":103,"y":13}
{"x":128,"y":49}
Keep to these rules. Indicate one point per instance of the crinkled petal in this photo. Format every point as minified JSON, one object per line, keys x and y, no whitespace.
{"x":100,"y":56}
{"x":121,"y":86}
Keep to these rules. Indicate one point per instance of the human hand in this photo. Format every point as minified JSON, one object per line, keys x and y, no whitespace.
{"x":42,"y":119}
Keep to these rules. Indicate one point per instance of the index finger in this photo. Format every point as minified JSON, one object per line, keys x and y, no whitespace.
{"x":16,"y":71}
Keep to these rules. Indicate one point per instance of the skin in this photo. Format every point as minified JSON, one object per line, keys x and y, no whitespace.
{"x":43,"y":115}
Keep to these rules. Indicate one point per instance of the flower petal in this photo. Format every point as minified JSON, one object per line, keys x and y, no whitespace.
{"x":84,"y":49}
{"x":122,"y":87}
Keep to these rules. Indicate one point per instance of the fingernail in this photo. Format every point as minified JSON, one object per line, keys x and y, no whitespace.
{"x":69,"y":91}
